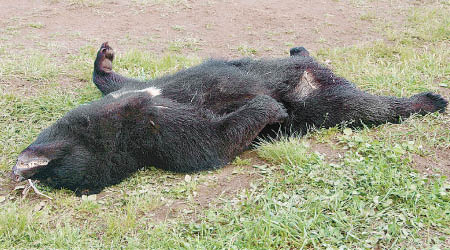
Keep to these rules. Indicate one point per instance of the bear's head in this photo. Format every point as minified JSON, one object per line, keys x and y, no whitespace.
{"x":61,"y":163}
{"x":93,"y":145}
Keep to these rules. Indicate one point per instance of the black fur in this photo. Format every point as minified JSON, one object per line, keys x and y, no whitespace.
{"x":203,"y":118}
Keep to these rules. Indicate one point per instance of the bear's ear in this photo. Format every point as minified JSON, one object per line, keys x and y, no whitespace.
{"x":299,"y":51}
{"x":36,"y":157}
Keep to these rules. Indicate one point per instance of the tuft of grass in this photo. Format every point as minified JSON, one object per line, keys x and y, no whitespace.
{"x":286,"y":151}
{"x":368,"y":16}
{"x":179,"y":45}
{"x":247,"y":51}
{"x":34,"y":67}
{"x":85,"y":3}
{"x":36,"y":25}
{"x":178,"y":27}
{"x":153,"y":2}
{"x":241,"y":162}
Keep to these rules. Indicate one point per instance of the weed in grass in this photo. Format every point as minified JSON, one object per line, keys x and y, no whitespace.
{"x":178,"y":28}
{"x":85,"y":3}
{"x":247,"y":51}
{"x":36,"y":25}
{"x":179,"y":45}
{"x":241,"y":162}
{"x":153,"y":2}
{"x":34,"y":67}
{"x":208,"y":26}
{"x":289,"y":44}
{"x":368,"y":16}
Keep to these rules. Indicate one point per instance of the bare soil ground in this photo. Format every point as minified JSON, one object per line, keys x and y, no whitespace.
{"x":229,"y":28}
{"x":439,"y":162}
{"x":212,"y":28}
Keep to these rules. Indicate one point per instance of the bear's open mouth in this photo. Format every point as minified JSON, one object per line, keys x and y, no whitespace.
{"x":25,"y":169}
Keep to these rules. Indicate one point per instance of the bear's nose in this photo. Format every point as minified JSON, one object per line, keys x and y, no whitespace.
{"x":16,"y":175}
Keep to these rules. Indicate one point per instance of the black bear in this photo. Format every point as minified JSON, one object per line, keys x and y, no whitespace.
{"x":198,"y":118}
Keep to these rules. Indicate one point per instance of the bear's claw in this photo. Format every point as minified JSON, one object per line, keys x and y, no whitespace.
{"x":427,"y":99}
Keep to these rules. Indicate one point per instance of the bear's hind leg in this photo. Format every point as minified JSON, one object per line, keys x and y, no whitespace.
{"x":344,"y":103}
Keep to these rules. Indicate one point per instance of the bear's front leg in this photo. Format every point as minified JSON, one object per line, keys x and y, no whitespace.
{"x":241,"y":127}
{"x":104,"y":77}
{"x":186,"y":139}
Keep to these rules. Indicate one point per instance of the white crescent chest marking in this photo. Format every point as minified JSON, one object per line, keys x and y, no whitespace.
{"x":152,"y":91}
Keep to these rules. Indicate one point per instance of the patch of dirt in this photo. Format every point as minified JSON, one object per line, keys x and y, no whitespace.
{"x":445,"y":92}
{"x":10,"y":190}
{"x":224,"y":183}
{"x":6,"y":184}
{"x":21,"y":87}
{"x":218,"y":28}
{"x":332,"y":154}
{"x":437,"y":163}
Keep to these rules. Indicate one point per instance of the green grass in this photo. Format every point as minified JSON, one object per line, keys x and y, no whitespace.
{"x":415,"y":59}
{"x":33,"y":67}
{"x":371,"y":197}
